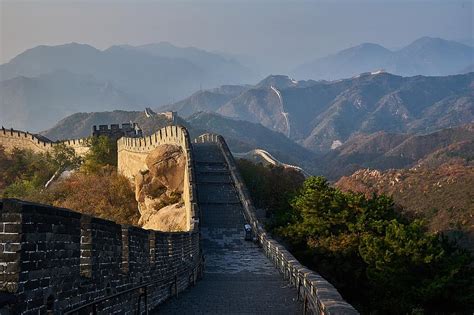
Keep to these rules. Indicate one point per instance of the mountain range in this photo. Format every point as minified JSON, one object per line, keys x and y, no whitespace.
{"x":81,"y":78}
{"x":120,"y":77}
{"x":242,"y":136}
{"x":425,"y":56}
{"x":321,"y":115}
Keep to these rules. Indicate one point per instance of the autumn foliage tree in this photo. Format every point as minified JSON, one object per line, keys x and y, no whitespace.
{"x":92,"y":186}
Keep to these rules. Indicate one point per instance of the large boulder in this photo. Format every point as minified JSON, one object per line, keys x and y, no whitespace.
{"x":159,"y":189}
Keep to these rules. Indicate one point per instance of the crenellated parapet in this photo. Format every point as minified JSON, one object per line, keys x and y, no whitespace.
{"x":132,"y":153}
{"x":56,"y":261}
{"x":319,"y":296}
{"x":10,"y":139}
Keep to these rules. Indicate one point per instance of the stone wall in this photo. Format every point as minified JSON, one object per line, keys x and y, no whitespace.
{"x":57,"y":260}
{"x":320,"y":297}
{"x":10,"y":139}
{"x":132,"y":153}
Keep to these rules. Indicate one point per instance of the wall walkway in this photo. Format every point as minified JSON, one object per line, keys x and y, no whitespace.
{"x":240,"y":276}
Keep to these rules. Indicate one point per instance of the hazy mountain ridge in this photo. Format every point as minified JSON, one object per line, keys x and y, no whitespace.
{"x":424,"y":56}
{"x":33,"y":103}
{"x":79,"y":125}
{"x":323,"y":114}
{"x":242,"y":136}
{"x":219,"y":65}
{"x":145,"y":78}
{"x":205,"y":100}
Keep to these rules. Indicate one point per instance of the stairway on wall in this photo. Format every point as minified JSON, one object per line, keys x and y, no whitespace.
{"x":238,"y":278}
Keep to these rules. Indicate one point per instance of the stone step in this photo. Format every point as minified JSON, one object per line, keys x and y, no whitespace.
{"x":214,"y":178}
{"x":212,"y":171}
{"x":222,"y":215}
{"x":210,"y":193}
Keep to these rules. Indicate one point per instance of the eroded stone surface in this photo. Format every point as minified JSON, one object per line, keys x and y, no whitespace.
{"x":159,"y":188}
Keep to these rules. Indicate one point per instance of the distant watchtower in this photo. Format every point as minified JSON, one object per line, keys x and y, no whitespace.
{"x":130,"y":130}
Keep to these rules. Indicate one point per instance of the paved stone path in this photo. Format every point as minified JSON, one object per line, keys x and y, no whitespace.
{"x":238,"y":278}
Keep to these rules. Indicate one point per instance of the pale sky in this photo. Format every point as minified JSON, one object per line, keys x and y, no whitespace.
{"x":286,"y":32}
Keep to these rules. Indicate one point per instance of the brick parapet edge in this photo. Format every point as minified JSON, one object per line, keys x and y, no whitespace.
{"x":55,"y":259}
{"x":320,"y":297}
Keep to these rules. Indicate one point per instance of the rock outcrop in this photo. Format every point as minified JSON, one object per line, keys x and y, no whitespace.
{"x":159,"y":188}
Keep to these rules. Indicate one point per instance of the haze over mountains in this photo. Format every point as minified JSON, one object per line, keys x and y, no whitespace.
{"x":372,"y":119}
{"x":137,"y":77}
{"x":134,"y":77}
{"x":425,"y":56}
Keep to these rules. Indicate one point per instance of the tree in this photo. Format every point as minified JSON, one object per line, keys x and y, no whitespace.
{"x":102,"y":152}
{"x":378,"y":260}
{"x":26,"y":173}
{"x":271,"y":187}
{"x":63,"y":157}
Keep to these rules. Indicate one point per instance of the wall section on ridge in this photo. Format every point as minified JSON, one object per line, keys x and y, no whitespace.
{"x":132,"y":153}
{"x":11,"y":139}
{"x":320,"y":296}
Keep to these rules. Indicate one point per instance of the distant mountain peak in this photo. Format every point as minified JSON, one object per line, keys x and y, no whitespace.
{"x":431,"y":56}
{"x":278,"y":81}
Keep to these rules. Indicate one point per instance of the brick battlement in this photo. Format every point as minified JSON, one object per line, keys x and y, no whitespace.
{"x":54,"y":259}
{"x":115,"y":131}
{"x":10,"y":138}
{"x":39,"y":142}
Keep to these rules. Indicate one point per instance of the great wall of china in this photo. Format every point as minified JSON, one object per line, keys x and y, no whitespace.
{"x":57,"y":261}
{"x":10,"y":139}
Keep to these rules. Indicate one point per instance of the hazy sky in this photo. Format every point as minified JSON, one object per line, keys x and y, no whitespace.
{"x":289,"y":32}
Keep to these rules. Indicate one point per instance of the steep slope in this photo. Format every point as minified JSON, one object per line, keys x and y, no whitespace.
{"x":260,"y":105}
{"x":383,"y":151}
{"x":243,"y":136}
{"x":442,"y":196}
{"x":425,"y":56}
{"x":321,"y":115}
{"x":35,"y":103}
{"x":79,"y":125}
{"x":205,"y":100}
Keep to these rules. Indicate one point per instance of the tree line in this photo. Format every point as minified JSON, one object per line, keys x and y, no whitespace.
{"x":380,"y":261}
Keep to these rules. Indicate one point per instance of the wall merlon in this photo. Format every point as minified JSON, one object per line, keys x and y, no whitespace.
{"x":77,"y":258}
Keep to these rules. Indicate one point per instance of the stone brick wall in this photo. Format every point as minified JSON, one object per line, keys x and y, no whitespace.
{"x":10,"y":139}
{"x":56,"y":260}
{"x":132,"y":153}
{"x":320,"y":297}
